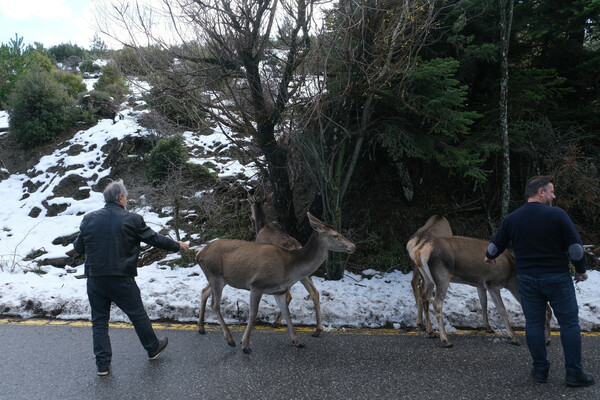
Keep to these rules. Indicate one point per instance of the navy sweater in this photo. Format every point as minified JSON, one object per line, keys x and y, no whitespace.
{"x":543,"y":237}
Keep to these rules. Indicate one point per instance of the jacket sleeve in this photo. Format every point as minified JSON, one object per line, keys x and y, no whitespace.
{"x":571,"y":238}
{"x":79,"y":244}
{"x":499,"y":241}
{"x":147,"y":235}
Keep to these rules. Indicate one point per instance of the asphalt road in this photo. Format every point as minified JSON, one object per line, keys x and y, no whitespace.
{"x":54,"y":360}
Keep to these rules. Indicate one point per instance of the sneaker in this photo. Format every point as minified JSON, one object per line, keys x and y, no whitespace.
{"x":539,"y":375}
{"x":104,"y":370}
{"x":162,"y":344}
{"x":579,"y":379}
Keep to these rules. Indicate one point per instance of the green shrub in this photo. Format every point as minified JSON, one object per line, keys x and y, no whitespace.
{"x":12,"y":66}
{"x":200,"y":174}
{"x":66,"y":50}
{"x":97,"y":104}
{"x":129,"y":62}
{"x":113,"y":82}
{"x":169,"y":155}
{"x":39,"y":108}
{"x":89,"y":67}
{"x":71,"y":82}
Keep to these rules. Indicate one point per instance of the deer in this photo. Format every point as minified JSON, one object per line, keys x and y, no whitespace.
{"x":459,"y":259}
{"x":435,"y":226}
{"x":266,"y":269}
{"x":271,"y":234}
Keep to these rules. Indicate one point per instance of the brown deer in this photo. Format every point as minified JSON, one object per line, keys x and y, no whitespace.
{"x":459,"y":259}
{"x":265,"y":269}
{"x":435,"y":226}
{"x":271,"y":234}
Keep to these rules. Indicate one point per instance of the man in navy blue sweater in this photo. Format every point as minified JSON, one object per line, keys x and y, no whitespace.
{"x":544,"y":239}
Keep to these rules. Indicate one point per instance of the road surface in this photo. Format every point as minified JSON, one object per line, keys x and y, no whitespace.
{"x":52,"y":359}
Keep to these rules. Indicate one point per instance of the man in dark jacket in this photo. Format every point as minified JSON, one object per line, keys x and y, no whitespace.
{"x":110,"y":239}
{"x":544,"y":240}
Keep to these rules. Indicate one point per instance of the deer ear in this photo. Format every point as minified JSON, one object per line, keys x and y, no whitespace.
{"x":316,"y":223}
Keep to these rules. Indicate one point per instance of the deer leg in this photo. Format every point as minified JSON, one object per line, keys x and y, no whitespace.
{"x":314,"y":295}
{"x":416,"y":288}
{"x":255,"y":297}
{"x":482,"y":293}
{"x":217,"y":290}
{"x":283,"y":306}
{"x":497,"y":299}
{"x":277,"y":322}
{"x":426,"y":291}
{"x":206,"y":292}
{"x":438,"y":303}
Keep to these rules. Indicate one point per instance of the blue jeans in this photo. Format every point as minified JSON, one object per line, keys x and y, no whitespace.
{"x":559,"y":291}
{"x":124,"y":292}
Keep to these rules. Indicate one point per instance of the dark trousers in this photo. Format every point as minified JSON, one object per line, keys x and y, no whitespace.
{"x":558,"y":290}
{"x":124,"y":292}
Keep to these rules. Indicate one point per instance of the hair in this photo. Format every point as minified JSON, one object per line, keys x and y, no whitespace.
{"x":535,"y":183}
{"x":114,"y":190}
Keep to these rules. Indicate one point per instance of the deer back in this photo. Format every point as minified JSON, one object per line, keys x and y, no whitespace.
{"x":463,"y":259}
{"x":241,"y":263}
{"x":270,"y":234}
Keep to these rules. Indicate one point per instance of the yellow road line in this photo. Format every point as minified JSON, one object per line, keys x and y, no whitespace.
{"x":236,"y":327}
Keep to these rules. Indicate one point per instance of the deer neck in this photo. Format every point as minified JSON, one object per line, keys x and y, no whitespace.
{"x":259,"y":216}
{"x":308,"y":258}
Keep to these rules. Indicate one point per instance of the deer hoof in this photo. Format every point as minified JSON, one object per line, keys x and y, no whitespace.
{"x":448,"y":345}
{"x":202,"y":331}
{"x":317,"y":332}
{"x":515,"y":342}
{"x":247,"y":350}
{"x":232,"y":344}
{"x":300,"y":345}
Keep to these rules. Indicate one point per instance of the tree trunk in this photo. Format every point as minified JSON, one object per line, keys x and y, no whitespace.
{"x":505,"y":27}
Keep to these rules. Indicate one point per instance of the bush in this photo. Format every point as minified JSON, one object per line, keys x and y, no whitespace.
{"x":39,"y":108}
{"x":89,"y":67}
{"x":113,"y":82}
{"x":128,"y":61}
{"x":168,"y":155}
{"x":66,"y":50}
{"x":97,"y":104}
{"x":200,"y":174}
{"x":71,"y":82}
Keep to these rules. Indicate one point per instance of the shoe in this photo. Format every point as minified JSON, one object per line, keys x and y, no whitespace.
{"x":539,"y":375}
{"x":162,"y":344}
{"x":579,"y":379}
{"x":104,"y":370}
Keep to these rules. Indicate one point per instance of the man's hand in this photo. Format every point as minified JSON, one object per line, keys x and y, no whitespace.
{"x":580,"y":277}
{"x":183,"y":246}
{"x":489,"y":260}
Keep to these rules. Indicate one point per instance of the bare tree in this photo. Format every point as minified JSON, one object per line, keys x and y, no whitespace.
{"x":219,"y":57}
{"x":366,"y":47}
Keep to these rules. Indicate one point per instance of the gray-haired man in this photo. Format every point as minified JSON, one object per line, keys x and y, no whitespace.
{"x":110,"y":239}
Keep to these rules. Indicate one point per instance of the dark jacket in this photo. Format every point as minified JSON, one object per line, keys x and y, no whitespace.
{"x":544,"y":240}
{"x":110,"y":239}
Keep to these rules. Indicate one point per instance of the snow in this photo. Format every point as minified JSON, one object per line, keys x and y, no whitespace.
{"x":3,"y":122}
{"x":371,"y":299}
